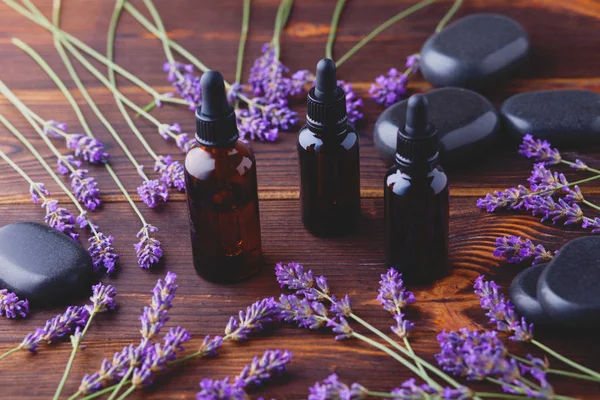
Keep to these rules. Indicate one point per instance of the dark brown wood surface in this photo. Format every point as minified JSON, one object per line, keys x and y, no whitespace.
{"x":565,"y":55}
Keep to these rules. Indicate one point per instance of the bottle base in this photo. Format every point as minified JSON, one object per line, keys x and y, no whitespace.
{"x":230,"y":269}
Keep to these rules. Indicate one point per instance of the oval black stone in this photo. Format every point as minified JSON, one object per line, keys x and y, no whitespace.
{"x":563,"y":117}
{"x":475,"y":52}
{"x":568,"y":289}
{"x":43,"y":265}
{"x":523,"y":295}
{"x":468,"y":125}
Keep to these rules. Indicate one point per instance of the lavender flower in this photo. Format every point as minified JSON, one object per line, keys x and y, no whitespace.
{"x":85,"y":189}
{"x":50,"y":124}
{"x":413,"y":61}
{"x":279,"y":116}
{"x":182,"y":78}
{"x":234,"y":91}
{"x":266,"y":75}
{"x":103,"y":298}
{"x":209,"y":346}
{"x":90,"y":149}
{"x":332,"y":388}
{"x":211,"y":389}
{"x":591,"y":223}
{"x":11,"y":306}
{"x":301,"y":79}
{"x":389,"y":89}
{"x":579,"y":165}
{"x":340,"y":326}
{"x":152,"y":192}
{"x":183,"y":142}
{"x":353,"y":103}
{"x":543,"y":180}
{"x":252,"y":319}
{"x":342,"y":308}
{"x":293,"y":277}
{"x":102,"y":251}
{"x":540,"y":150}
{"x":556,"y":211}
{"x":60,"y":219}
{"x":38,"y":190}
{"x":148,"y":249}
{"x":573,"y":195}
{"x":403,"y":326}
{"x":410,"y":390}
{"x":65,"y":164}
{"x":156,"y":315}
{"x":307,"y":314}
{"x":501,"y":311}
{"x":272,"y":363}
{"x":171,"y":172}
{"x":60,"y":326}
{"x":512,"y":198}
{"x":253,"y":125}
{"x":392,"y":293}
{"x":181,"y":139}
{"x":516,"y":250}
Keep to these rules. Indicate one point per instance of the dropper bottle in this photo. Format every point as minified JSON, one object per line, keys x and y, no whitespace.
{"x":416,"y":198}
{"x":222,"y":196}
{"x":328,"y":154}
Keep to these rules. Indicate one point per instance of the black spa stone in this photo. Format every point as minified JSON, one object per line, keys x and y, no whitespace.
{"x":468,"y":125}
{"x":569,"y":288}
{"x":476,"y":52}
{"x":563,"y":117}
{"x":523,"y":295}
{"x":43,"y":265}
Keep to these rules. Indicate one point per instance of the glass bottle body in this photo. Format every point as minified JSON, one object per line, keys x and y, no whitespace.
{"x":329,"y":181}
{"x":222,"y":197}
{"x":417,"y":223}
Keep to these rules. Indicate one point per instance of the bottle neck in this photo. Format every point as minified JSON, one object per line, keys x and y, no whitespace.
{"x":329,"y":131}
{"x":417,"y":166}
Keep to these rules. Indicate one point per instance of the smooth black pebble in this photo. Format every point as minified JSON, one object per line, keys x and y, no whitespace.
{"x":523,"y":295}
{"x":477,"y":51}
{"x":468,"y":125}
{"x":563,"y":117}
{"x":43,"y":265}
{"x":569,"y":288}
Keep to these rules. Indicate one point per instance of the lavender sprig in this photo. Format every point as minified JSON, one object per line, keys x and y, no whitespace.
{"x":102,"y":251}
{"x":332,"y":388}
{"x":59,"y":218}
{"x":85,"y":189}
{"x":251,"y":320}
{"x":540,"y":150}
{"x":90,"y":149}
{"x":155,"y":316}
{"x":515,"y":250}
{"x":147,"y":249}
{"x":11,"y":306}
{"x":153,"y":192}
{"x":171,"y":172}
{"x":391,"y":88}
{"x":56,"y":328}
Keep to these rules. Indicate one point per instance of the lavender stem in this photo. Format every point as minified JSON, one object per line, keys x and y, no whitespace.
{"x":127,"y":393}
{"x":566,"y":360}
{"x":448,"y":15}
{"x":335,"y":19}
{"x":9,"y":352}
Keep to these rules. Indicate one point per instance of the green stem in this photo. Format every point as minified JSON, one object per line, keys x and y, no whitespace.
{"x":391,"y":353}
{"x":121,"y":383}
{"x":566,"y":360}
{"x":283,"y":13}
{"x":448,"y":16}
{"x":382,"y":27}
{"x":23,"y":174}
{"x":413,"y":355}
{"x":8,"y":353}
{"x":127,"y":393}
{"x":592,"y":205}
{"x":556,"y":371}
{"x":110,"y":46}
{"x":335,"y":19}
{"x":242,"y":45}
{"x":499,"y":395}
{"x":76,"y":345}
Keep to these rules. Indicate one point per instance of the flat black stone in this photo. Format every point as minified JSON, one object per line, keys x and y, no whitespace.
{"x":523,"y":295}
{"x":43,"y":265}
{"x":476,"y":52}
{"x":569,"y":288}
{"x":563,"y":117}
{"x":468,"y":125}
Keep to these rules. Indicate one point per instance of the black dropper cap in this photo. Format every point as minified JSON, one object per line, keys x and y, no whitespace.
{"x":215,"y":119}
{"x":417,"y":139}
{"x":326,"y":106}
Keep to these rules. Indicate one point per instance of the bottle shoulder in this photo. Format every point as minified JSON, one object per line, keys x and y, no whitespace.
{"x":402,"y":182}
{"x":312,"y":141}
{"x":205,"y":162}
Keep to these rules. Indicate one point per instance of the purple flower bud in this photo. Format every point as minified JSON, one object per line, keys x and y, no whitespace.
{"x":102,"y":251}
{"x":579,"y":165}
{"x":539,"y":150}
{"x":38,"y":191}
{"x":332,"y":388}
{"x":392,"y":293}
{"x":50,"y":132}
{"x":403,"y":326}
{"x":152,"y":192}
{"x":56,"y":328}
{"x":342,"y":308}
{"x":156,"y":315}
{"x":183,"y":142}
{"x":90,"y":149}
{"x":213,"y":389}
{"x":272,"y":363}
{"x":184,"y":81}
{"x":85,"y":189}
{"x":353,"y":103}
{"x":66,"y":163}
{"x":209,"y":346}
{"x":11,"y":306}
{"x":413,"y":62}
{"x":292,"y":276}
{"x":147,"y":249}
{"x":253,"y":125}
{"x":60,"y":219}
{"x":410,"y":390}
{"x":103,"y":298}
{"x":389,"y":89}
{"x":252,"y":319}
{"x":513,"y":198}
{"x":171,"y":172}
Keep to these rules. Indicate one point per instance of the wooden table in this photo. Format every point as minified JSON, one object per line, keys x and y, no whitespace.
{"x":565,"y":55}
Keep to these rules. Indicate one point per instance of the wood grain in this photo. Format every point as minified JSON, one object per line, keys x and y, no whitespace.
{"x":564,"y":56}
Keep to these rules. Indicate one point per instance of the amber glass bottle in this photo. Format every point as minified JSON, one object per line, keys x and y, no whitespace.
{"x":328,"y":154}
{"x":416,"y":201}
{"x":220,"y":177}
